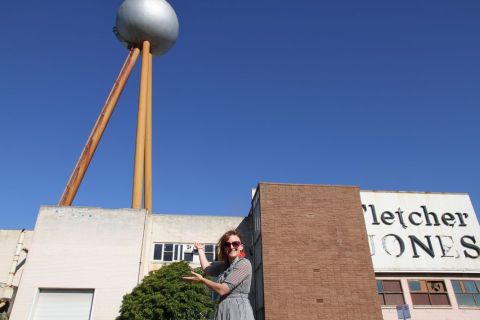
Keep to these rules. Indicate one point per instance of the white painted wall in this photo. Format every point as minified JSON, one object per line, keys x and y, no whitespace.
{"x":188,"y":229}
{"x":191,"y":228}
{"x":8,"y":244}
{"x":83,"y":248}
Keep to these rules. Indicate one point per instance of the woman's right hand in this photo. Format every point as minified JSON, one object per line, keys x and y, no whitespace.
{"x":199,"y":246}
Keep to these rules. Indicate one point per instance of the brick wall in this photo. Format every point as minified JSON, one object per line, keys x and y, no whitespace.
{"x":316,"y":260}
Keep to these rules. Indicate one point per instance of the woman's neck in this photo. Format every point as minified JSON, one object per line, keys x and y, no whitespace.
{"x":233,"y":260}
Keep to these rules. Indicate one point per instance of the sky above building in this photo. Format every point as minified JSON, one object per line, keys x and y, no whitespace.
{"x":382,"y":95}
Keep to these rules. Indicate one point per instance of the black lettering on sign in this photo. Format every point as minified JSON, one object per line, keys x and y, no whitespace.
{"x":471,"y":246}
{"x":428,"y":249}
{"x":429,"y":215}
{"x":401,"y":244}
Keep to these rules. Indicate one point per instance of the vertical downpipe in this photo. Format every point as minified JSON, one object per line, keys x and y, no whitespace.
{"x":16,"y":257}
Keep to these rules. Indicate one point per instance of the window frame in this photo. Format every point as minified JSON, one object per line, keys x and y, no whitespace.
{"x":464,"y":291}
{"x":178,"y":253}
{"x":428,"y":292}
{"x":210,"y":254}
{"x":383,"y":294}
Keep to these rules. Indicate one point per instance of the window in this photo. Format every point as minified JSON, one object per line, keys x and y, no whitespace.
{"x":179,"y":252}
{"x":390,"y":292}
{"x":188,"y":256}
{"x":467,"y":292}
{"x":59,"y":304}
{"x":168,"y":252}
{"x":428,"y":292}
{"x":210,"y":252}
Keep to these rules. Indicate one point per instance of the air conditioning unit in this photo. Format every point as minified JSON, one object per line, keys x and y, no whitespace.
{"x":188,"y":248}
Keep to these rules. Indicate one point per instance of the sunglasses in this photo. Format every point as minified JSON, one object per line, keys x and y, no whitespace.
{"x":235,"y":244}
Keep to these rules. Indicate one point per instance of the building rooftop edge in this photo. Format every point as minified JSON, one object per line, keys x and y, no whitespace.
{"x":309,"y":184}
{"x":153,"y":213}
{"x":197,"y":215}
{"x":88,"y":207}
{"x":352,"y":186}
{"x":424,"y":192}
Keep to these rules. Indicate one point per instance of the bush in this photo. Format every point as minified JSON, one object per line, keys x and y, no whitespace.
{"x":164,"y":295}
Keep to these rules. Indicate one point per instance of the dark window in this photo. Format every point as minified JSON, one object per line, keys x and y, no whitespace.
{"x":467,"y":292}
{"x":168,"y":252}
{"x":157,"y":252}
{"x":188,"y":256}
{"x":210,"y":252}
{"x":426,"y":292}
{"x":390,"y":292}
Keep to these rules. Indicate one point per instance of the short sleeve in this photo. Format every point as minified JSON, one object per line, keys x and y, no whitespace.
{"x":240,"y":271}
{"x":215,"y":268}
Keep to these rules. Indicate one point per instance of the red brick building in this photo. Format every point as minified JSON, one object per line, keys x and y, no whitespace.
{"x":311,"y":254}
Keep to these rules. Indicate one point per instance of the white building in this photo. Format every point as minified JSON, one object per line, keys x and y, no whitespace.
{"x":83,"y":260}
{"x":425,"y":251}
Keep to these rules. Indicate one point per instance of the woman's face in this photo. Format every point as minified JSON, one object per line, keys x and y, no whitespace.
{"x":232,"y":247}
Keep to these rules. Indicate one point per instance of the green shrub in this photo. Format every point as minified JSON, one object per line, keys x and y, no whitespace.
{"x":164,"y":295}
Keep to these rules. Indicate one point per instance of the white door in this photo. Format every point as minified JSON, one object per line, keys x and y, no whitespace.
{"x":62,"y":304}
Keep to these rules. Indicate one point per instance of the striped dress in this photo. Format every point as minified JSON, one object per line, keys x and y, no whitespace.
{"x":237,"y":276}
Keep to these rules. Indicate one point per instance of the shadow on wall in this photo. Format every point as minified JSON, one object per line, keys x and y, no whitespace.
{"x":246,"y":230}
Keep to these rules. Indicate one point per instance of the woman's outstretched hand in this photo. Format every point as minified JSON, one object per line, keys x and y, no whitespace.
{"x":194,"y":278}
{"x":199,"y":246}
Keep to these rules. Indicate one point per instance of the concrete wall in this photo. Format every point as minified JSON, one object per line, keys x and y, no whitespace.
{"x":83,"y":248}
{"x":316,"y":260}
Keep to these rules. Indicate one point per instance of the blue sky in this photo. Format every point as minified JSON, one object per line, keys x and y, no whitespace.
{"x":378,"y":94}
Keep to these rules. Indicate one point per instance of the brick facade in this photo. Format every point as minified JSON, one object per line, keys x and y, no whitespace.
{"x":316,"y":259}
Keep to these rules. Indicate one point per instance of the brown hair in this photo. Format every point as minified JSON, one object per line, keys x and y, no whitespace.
{"x":220,"y":253}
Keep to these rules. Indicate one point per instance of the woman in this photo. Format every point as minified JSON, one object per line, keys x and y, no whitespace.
{"x":234,"y":277}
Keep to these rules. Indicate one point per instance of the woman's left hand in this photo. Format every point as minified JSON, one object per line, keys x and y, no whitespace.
{"x":194,"y":278}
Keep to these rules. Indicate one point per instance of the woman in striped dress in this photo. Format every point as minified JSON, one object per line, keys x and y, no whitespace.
{"x":234,"y":274}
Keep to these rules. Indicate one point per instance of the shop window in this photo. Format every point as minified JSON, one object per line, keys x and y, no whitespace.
{"x":467,"y":292}
{"x":428,"y":292}
{"x":390,"y":292}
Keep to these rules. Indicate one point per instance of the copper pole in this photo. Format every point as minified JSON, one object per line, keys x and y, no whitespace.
{"x":140,"y":143}
{"x":96,"y":134}
{"x":148,"y":140}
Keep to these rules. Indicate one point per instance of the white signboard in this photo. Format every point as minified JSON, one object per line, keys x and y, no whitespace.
{"x":427,"y":232}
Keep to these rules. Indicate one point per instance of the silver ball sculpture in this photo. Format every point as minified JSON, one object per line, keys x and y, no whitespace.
{"x":147,"y":20}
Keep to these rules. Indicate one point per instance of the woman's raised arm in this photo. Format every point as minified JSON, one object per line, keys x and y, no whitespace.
{"x":201,"y":254}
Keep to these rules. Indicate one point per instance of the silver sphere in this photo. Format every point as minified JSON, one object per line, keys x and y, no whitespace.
{"x":147,"y":20}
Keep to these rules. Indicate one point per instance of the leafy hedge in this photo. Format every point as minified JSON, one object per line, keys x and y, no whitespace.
{"x":163,"y":295}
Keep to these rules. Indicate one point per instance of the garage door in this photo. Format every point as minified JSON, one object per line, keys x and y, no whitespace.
{"x":56,"y":304}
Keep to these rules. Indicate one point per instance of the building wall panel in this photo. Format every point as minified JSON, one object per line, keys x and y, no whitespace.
{"x":83,"y":248}
{"x":316,"y":259}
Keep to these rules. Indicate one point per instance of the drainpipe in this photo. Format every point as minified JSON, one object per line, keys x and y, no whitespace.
{"x":8,"y":289}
